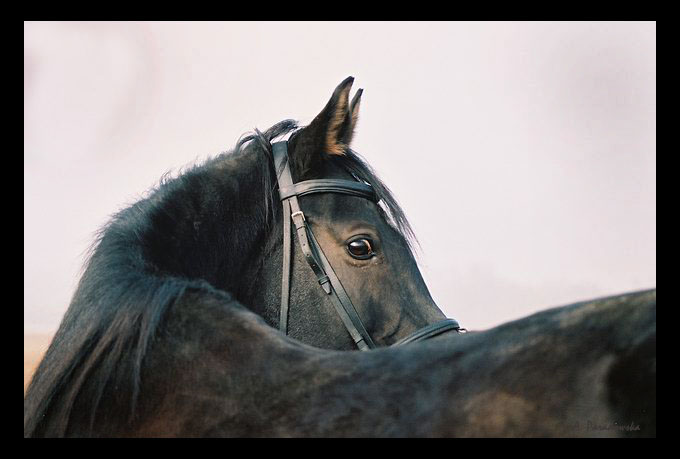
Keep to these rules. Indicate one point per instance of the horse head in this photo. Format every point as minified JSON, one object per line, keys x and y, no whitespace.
{"x":353,"y":240}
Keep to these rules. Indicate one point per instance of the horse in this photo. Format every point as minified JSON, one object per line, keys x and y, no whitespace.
{"x":185,"y":324}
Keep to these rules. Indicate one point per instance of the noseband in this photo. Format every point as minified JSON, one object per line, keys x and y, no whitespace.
{"x":328,"y":280}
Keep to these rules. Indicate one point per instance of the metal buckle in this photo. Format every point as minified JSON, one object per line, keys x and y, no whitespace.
{"x":325,"y":283}
{"x":299,"y":212}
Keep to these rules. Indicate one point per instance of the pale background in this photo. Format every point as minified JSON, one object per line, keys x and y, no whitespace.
{"x":524,"y":154}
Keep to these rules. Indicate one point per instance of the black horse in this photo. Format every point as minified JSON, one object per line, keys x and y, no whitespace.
{"x":172,"y":329}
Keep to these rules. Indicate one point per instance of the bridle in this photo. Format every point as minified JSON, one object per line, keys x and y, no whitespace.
{"x":328,"y":280}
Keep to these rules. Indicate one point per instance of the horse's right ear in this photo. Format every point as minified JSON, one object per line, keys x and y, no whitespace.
{"x":330,"y":132}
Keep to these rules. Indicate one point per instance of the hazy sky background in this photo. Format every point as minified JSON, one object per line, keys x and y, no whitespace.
{"x":524,"y":154}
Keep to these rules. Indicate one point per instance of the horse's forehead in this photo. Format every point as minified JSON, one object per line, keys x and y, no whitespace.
{"x":338,"y":209}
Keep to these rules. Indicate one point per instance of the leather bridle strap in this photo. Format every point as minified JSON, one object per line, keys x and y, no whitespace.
{"x":359,"y":189}
{"x":285,"y":281}
{"x":343,"y":304}
{"x":430,"y":331}
{"x":311,"y":250}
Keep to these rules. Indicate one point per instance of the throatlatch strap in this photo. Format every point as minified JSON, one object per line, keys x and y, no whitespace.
{"x":285,"y":280}
{"x":281,"y":159}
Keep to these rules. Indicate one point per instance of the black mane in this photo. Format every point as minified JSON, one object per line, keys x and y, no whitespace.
{"x":193,"y":232}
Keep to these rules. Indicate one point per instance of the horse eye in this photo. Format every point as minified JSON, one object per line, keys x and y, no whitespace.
{"x":360,"y":248}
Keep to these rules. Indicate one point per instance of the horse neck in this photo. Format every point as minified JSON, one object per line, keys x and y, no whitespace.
{"x":218,"y":230}
{"x":260,"y":278}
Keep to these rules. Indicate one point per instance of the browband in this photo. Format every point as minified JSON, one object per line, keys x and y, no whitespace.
{"x":362,"y":190}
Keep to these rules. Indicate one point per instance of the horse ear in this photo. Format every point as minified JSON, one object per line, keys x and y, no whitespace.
{"x":331,"y":131}
{"x":351,"y":120}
